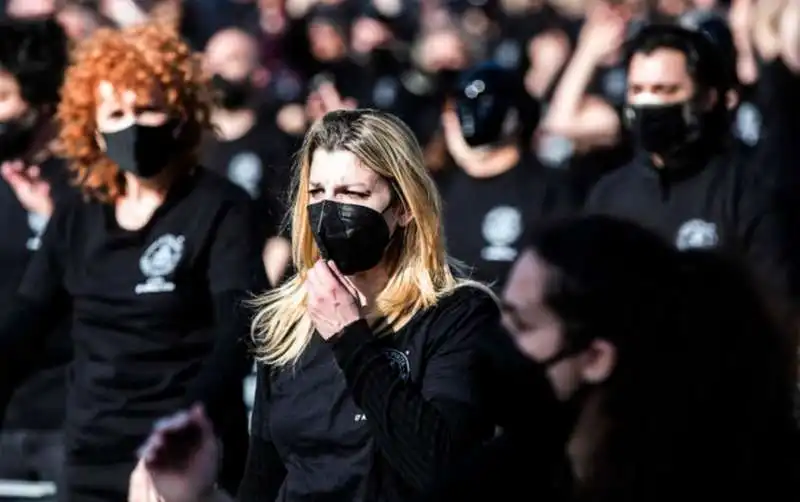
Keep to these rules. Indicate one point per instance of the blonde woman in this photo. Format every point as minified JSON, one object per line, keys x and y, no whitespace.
{"x":368,"y":384}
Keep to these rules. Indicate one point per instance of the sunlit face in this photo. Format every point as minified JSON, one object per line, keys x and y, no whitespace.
{"x":118,"y":109}
{"x":537,"y":330}
{"x":326,"y":42}
{"x":444,"y":51}
{"x":12,"y":106}
{"x":339,"y":176}
{"x":232,"y":55}
{"x":660,"y":77}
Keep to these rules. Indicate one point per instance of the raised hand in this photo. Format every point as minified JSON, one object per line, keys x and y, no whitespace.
{"x":179,"y":461}
{"x":333,"y":302}
{"x":31,"y":190}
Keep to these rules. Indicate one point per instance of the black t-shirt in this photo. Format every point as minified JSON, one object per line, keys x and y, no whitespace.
{"x":260,"y":163}
{"x":143,"y":308}
{"x":716,"y":203}
{"x":487,"y":221}
{"x":38,"y":401}
{"x":367,"y":418}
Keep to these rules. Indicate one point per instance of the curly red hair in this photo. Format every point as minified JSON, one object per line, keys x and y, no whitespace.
{"x":136,"y":59}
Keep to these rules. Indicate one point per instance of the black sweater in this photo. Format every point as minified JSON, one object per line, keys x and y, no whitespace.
{"x":368,"y":418}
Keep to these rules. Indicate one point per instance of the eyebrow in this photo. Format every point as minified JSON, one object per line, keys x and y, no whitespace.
{"x":317,"y":184}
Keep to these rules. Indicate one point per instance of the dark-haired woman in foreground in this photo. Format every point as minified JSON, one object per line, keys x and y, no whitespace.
{"x":666,"y":364}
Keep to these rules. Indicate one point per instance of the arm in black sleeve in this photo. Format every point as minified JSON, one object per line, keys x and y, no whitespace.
{"x":234,"y":271}
{"x":765,"y":239}
{"x":264,"y":472}
{"x":40,"y":303}
{"x":23,"y":326}
{"x":422,"y":429}
{"x":229,"y":362}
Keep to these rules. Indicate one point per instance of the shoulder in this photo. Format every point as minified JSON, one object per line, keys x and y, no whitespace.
{"x":463,"y":312}
{"x":214,"y":187}
{"x":611,"y":182}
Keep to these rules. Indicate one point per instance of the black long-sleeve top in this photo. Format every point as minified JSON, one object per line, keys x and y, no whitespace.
{"x":366,"y":418}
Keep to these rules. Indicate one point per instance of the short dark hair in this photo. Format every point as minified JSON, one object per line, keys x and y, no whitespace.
{"x":704,"y":60}
{"x":35,"y":53}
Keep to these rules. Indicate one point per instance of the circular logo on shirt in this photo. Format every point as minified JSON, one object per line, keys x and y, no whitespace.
{"x":246,"y":170}
{"x":385,"y":92}
{"x":399,"y":362}
{"x":747,"y":126}
{"x":162,"y":256}
{"x":508,"y":54}
{"x":697,"y":234}
{"x":502,"y":225}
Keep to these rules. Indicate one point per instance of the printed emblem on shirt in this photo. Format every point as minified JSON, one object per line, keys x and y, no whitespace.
{"x":384,"y":94}
{"x":37,"y":223}
{"x":508,"y":54}
{"x":245,"y":170}
{"x":747,"y":126}
{"x":502,"y":227}
{"x":399,"y":362}
{"x":697,"y":234}
{"x":159,"y":260}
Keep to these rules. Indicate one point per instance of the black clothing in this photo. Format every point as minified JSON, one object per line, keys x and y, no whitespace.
{"x":713,"y":202}
{"x":259,"y":162}
{"x":39,"y":394}
{"x":487,"y":220}
{"x":145,"y":317}
{"x":366,"y":418}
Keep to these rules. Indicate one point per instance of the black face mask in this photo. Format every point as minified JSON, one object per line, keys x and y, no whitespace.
{"x":664,"y":129}
{"x":142,"y":150}
{"x":353,"y":236}
{"x":234,"y":95}
{"x":573,"y":407}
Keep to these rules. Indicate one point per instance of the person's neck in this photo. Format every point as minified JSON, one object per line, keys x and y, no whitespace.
{"x":153,"y":190}
{"x":233,"y":124}
{"x":491,"y":162}
{"x":692,"y":156}
{"x":370,"y":284}
{"x":585,"y":437}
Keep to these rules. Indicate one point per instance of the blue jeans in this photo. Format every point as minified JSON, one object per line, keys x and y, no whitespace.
{"x":29,"y":455}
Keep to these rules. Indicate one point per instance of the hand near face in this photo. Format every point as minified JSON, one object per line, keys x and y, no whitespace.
{"x":31,"y":190}
{"x":333,"y":301}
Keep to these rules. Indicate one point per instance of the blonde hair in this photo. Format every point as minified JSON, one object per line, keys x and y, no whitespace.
{"x":420,"y":272}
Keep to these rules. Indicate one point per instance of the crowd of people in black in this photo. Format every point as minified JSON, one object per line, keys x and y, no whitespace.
{"x":400,"y":250}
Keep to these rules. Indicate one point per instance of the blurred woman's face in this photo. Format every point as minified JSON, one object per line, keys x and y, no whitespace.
{"x":326,"y":42}
{"x":443,"y":51}
{"x":535,"y":328}
{"x":12,"y":105}
{"x":118,"y":109}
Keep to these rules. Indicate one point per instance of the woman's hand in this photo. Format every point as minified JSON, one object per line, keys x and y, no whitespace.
{"x":31,"y":190}
{"x":333,"y":301}
{"x":179,"y":462}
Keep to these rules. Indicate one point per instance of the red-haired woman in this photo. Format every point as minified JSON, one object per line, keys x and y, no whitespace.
{"x":155,"y":259}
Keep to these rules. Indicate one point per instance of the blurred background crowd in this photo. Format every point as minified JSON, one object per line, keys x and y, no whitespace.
{"x":278,"y":65}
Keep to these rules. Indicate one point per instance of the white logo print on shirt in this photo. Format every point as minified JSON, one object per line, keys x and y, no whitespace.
{"x":37,"y":223}
{"x":502,"y":226}
{"x":160,"y":259}
{"x":697,"y":234}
